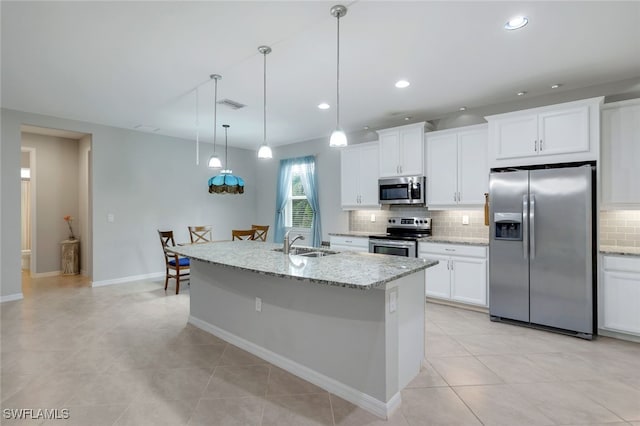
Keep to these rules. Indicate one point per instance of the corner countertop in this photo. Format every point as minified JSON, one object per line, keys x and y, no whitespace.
{"x":618,"y":250}
{"x":344,"y":269}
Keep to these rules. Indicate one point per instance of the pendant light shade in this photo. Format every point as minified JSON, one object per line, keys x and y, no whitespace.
{"x":338,"y":137}
{"x":226,"y":182}
{"x":265,"y":150}
{"x":214,"y":160}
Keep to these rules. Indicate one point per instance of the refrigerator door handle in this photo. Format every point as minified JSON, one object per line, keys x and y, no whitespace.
{"x":525,"y":227}
{"x":532,"y":223}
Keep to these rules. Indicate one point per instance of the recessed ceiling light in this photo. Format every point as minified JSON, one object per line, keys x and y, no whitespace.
{"x":401,"y":84}
{"x":462,"y":108}
{"x":555,"y":86}
{"x":407,"y":118}
{"x":366,"y":127}
{"x":324,"y":105}
{"x":516,"y":22}
{"x":522,"y":93}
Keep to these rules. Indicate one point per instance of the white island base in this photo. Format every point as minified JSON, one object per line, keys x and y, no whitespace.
{"x":344,"y":340}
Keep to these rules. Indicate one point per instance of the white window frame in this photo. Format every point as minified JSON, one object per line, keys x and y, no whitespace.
{"x":288,"y":210}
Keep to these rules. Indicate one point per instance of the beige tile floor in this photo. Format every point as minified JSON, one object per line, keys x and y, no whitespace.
{"x":125,"y":355}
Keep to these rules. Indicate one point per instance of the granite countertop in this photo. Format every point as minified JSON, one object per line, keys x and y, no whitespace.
{"x":345,"y":269}
{"x":364,"y":234}
{"x":625,"y":251}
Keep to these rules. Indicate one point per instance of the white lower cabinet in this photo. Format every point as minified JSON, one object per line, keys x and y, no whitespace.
{"x":620,"y":307}
{"x":461,"y":274}
{"x":344,"y":243}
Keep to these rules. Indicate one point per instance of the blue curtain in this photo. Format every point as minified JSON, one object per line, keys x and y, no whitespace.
{"x":282,"y":194}
{"x":310,"y":185}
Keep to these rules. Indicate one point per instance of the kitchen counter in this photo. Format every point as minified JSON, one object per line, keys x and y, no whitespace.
{"x":360,"y":335}
{"x":456,"y":240}
{"x":623,"y":251}
{"x":344,"y":269}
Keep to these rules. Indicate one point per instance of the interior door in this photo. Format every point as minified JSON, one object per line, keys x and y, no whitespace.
{"x":561,"y":265}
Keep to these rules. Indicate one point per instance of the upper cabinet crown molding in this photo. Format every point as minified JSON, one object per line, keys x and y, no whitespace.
{"x":402,"y":150}
{"x":620,"y":155}
{"x":552,"y":134}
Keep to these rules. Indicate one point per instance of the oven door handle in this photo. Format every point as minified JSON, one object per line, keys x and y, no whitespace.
{"x":391,"y":243}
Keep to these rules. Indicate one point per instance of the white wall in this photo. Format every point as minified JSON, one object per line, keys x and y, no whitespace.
{"x":56,"y":186}
{"x":147,"y":181}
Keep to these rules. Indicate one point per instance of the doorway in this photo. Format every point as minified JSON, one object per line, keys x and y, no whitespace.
{"x":56,"y":202}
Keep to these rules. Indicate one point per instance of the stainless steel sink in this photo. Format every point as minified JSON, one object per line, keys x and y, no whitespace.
{"x":307,"y":251}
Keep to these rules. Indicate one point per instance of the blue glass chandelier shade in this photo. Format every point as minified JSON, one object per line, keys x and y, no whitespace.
{"x":226,"y":182}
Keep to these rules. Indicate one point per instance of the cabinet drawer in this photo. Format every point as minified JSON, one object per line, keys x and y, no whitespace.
{"x":360,"y":242}
{"x":452,"y":250}
{"x":622,"y":263}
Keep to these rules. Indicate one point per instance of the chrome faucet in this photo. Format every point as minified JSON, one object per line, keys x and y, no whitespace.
{"x":287,"y":244}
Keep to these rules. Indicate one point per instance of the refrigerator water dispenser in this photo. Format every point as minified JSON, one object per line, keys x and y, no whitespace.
{"x":508,"y":226}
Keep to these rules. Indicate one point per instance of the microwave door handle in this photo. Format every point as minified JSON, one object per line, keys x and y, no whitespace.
{"x":525,"y":226}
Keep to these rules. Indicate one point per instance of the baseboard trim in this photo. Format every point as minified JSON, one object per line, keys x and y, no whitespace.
{"x":127,"y":279}
{"x":619,"y":335}
{"x":11,"y":297}
{"x":362,"y":400}
{"x":46,"y":274}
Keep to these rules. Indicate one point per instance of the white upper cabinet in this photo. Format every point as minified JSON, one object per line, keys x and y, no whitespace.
{"x":402,"y":150}
{"x":554,"y":134}
{"x":620,"y":156}
{"x":457,"y":167}
{"x":359,"y":176}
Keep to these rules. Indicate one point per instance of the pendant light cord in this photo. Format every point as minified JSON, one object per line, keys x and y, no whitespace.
{"x":197,"y":128}
{"x":215,"y":112}
{"x":226,"y":162}
{"x":338,"y":78}
{"x":264,"y":118}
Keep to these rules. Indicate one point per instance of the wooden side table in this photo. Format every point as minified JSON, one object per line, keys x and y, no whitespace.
{"x":70,"y":257}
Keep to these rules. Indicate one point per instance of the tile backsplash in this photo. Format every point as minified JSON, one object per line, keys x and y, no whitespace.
{"x":620,"y":228}
{"x":447,"y":223}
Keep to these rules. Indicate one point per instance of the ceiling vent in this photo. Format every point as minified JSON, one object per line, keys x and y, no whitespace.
{"x":231,"y":104}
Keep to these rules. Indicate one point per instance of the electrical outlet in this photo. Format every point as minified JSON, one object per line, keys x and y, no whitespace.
{"x":465,"y":219}
{"x":393,"y":301}
{"x":111,"y":218}
{"x":373,"y":217}
{"x":258,"y":304}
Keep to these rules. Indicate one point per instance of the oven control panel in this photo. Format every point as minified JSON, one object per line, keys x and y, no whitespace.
{"x":410,"y":222}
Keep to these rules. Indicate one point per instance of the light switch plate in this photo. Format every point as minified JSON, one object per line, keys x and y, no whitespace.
{"x":258,"y":304}
{"x":465,"y":219}
{"x":111,"y":218}
{"x":393,"y":301}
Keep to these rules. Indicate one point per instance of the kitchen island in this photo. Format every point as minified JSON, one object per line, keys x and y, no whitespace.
{"x":351,"y":323}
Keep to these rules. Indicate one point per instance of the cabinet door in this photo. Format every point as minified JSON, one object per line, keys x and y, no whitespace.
{"x":390,"y":154}
{"x":622,"y":301}
{"x":516,"y":136}
{"x":412,"y":151}
{"x":473,"y":167}
{"x":368,"y":175}
{"x":620,"y":154}
{"x":437,"y":278}
{"x":564,"y":131}
{"x":442,"y":160}
{"x":349,"y":170}
{"x":469,"y":280}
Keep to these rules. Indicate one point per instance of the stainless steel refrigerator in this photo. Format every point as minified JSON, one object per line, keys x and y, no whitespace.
{"x":541,"y":248}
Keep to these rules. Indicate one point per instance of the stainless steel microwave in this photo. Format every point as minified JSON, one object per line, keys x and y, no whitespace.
{"x":402,"y":190}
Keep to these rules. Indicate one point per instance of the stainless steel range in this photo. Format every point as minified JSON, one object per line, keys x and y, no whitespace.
{"x":402,"y":236}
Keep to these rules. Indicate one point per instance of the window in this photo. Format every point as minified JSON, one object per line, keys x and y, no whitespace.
{"x":298,"y":212}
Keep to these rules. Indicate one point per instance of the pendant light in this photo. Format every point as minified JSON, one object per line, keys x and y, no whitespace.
{"x":338,"y":137}
{"x":265,"y":150}
{"x":226,"y":182}
{"x":214,"y":160}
